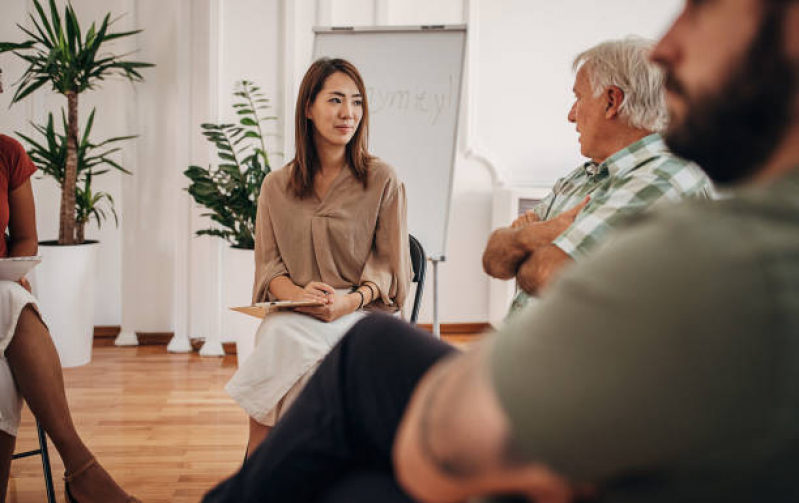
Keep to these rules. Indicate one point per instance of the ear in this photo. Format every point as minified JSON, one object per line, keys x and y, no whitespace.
{"x":614,"y":97}
{"x":308,"y":113}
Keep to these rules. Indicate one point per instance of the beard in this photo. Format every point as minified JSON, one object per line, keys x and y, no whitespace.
{"x":732,"y":131}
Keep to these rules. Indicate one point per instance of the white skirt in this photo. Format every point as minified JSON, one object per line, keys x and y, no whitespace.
{"x":13,"y":299}
{"x":288,"y":348}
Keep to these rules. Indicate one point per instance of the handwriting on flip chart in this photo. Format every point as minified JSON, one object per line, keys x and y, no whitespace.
{"x":413,"y":100}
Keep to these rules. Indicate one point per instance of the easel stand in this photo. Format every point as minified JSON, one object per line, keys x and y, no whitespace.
{"x":436,"y":323}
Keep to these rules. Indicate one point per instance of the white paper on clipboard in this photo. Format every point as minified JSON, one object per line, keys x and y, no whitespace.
{"x":15,"y":268}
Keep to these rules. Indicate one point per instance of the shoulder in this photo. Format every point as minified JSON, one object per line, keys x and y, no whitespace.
{"x":10,"y":148}
{"x":702,"y":263}
{"x":274,"y":189}
{"x":8,"y":143}
{"x":668,"y":165}
{"x":676,"y":248}
{"x":381,"y":170}
{"x":14,"y":161}
{"x":277,"y":179}
{"x":667,"y":169}
{"x":383,"y":174}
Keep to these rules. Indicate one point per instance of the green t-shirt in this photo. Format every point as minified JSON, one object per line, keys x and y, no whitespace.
{"x":666,"y":367}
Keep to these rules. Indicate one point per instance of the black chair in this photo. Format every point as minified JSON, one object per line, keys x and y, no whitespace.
{"x":42,"y":450}
{"x":419,"y":263}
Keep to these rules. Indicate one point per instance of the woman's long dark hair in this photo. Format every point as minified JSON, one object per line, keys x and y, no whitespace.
{"x":306,"y":159}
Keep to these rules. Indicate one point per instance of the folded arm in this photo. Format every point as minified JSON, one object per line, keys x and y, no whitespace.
{"x":538,"y":270}
{"x":453,"y":442}
{"x":510,"y":247}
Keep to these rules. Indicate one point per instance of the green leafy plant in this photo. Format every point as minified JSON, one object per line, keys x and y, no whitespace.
{"x":58,"y":54}
{"x":89,"y":204}
{"x":50,"y":153}
{"x":231,"y":189}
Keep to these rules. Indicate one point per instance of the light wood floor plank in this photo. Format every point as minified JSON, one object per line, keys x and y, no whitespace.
{"x":160,"y":423}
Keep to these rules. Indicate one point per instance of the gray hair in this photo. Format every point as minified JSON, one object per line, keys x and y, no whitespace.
{"x":625,"y":64}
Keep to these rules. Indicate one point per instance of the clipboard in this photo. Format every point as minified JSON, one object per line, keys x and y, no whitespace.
{"x":15,"y":268}
{"x":261,"y":309}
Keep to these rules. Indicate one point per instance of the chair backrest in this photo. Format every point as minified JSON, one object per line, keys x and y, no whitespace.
{"x":419,"y":263}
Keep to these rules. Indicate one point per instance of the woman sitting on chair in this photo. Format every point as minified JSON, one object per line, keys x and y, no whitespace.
{"x":331,"y":228}
{"x":29,"y":364}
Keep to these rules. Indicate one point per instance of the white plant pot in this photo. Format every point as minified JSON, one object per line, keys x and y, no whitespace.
{"x":238,"y":268}
{"x":65,"y":286}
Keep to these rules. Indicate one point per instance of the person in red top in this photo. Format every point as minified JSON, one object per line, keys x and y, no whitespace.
{"x":29,"y":363}
{"x":16,"y":169}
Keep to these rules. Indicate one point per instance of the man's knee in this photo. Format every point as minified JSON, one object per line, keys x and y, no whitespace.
{"x":381,"y":345}
{"x":374,"y":333}
{"x":29,"y":319}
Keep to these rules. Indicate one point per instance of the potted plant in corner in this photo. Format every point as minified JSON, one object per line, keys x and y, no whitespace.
{"x":59,"y":55}
{"x":230,"y":193}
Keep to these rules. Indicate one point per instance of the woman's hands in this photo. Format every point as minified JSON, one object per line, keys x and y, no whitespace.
{"x":316,"y":291}
{"x":335,"y":305}
{"x":25,"y":284}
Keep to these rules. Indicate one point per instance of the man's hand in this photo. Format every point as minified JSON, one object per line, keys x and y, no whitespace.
{"x":533,"y":235}
{"x":336,"y":306}
{"x":529,"y":217}
{"x":539,"y":269}
{"x":503,"y":253}
{"x":565,"y":219}
{"x":508,"y":248}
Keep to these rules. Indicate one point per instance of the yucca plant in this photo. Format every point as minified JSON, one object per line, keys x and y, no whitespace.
{"x":58,"y":54}
{"x":50,"y":153}
{"x":88,"y":204}
{"x":231,"y":190}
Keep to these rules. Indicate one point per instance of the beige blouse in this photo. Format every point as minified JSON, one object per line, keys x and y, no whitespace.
{"x":348,"y":237}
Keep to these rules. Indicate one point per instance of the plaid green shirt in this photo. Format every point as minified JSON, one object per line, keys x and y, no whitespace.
{"x":631,"y":180}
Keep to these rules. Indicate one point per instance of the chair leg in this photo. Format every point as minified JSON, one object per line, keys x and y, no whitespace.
{"x":48,"y":475}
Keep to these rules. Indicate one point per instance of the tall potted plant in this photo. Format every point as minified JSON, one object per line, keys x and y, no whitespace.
{"x":49,"y":155}
{"x":229,"y":192}
{"x":60,"y":56}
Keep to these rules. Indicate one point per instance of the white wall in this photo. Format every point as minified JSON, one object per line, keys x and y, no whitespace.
{"x":525,"y":77}
{"x":514,"y":129}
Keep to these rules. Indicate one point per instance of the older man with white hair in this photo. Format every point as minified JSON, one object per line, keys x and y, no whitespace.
{"x":619,"y":111}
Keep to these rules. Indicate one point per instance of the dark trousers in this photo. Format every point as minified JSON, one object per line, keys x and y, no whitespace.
{"x":334,"y":444}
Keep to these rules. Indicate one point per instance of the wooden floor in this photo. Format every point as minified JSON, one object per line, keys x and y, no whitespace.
{"x":160,"y":423}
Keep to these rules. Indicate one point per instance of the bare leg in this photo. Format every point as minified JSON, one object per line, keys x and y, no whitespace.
{"x":6,"y":450}
{"x":258,"y":433}
{"x":37,"y":371}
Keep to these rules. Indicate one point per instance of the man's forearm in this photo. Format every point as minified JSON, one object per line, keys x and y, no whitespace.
{"x":445,"y":445}
{"x":503,"y":254}
{"x":508,"y":248}
{"x":539,"y":269}
{"x":452,"y":443}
